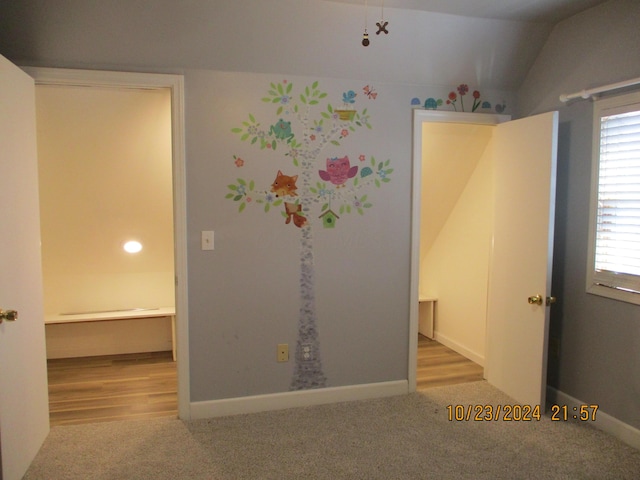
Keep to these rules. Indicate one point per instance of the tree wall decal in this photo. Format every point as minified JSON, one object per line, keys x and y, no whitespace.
{"x":316,"y":191}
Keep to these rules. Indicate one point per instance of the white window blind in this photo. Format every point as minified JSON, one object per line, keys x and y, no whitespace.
{"x":616,"y":236}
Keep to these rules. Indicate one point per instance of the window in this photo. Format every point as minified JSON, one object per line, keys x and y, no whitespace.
{"x":614,"y":243}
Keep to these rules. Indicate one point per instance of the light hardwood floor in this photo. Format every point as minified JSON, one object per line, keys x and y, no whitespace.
{"x":439,"y":365}
{"x":144,"y":385}
{"x":115,"y":387}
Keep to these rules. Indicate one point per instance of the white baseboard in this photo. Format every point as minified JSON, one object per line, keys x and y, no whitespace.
{"x":624,"y":432}
{"x":459,"y":348}
{"x":299,"y":398}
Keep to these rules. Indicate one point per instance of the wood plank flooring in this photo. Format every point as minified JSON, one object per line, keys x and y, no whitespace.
{"x":439,"y":365}
{"x":144,"y":385}
{"x":115,"y":387}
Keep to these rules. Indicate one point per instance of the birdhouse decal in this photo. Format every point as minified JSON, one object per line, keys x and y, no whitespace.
{"x":329,"y":219}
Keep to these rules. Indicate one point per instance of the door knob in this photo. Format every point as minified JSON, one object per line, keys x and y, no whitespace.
{"x":550,"y":300}
{"x":535,"y":300}
{"x":8,"y":315}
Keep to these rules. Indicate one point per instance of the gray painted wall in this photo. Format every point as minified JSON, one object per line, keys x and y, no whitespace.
{"x":244,"y":296}
{"x":599,"y":338}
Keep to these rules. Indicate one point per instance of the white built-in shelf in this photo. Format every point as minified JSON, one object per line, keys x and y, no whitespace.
{"x":111,"y":315}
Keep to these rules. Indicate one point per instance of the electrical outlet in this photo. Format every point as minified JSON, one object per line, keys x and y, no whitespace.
{"x":283,"y":352}
{"x":307,"y":352}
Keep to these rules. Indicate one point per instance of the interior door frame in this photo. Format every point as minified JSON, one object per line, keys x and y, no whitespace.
{"x":419,"y":118}
{"x":175,"y":83}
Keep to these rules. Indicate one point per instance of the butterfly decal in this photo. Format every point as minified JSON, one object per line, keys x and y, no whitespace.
{"x":370,"y":92}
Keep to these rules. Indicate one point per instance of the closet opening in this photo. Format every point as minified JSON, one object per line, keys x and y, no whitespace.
{"x":112,"y":251}
{"x":452,"y":250}
{"x":484,"y":291}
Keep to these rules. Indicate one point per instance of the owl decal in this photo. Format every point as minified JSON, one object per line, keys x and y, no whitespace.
{"x":338,"y":171}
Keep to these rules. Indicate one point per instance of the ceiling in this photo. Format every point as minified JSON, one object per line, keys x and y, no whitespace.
{"x":545,"y":11}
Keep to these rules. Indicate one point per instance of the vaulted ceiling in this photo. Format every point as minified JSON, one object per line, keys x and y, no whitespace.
{"x":489,"y":44}
{"x":544,"y":11}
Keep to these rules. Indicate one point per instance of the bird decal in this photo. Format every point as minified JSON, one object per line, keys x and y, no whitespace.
{"x":349,"y":97}
{"x":338,"y":171}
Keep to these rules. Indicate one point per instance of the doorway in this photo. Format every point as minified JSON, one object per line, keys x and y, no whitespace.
{"x":175,"y":281}
{"x":451,"y":244}
{"x":523,"y":155}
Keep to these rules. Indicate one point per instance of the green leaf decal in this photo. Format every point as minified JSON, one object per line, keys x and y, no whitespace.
{"x":318,"y":130}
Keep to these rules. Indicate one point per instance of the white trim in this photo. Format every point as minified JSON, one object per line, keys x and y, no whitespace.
{"x":414,"y":294}
{"x":611,"y":425}
{"x":459,"y":348}
{"x":298,"y":398}
{"x":602,"y":108}
{"x":420,"y":117}
{"x":70,"y":77}
{"x":441,"y":116}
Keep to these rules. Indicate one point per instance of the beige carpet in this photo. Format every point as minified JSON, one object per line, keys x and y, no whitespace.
{"x":406,"y":437}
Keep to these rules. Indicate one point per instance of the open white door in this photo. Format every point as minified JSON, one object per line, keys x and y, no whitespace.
{"x":524,"y":192}
{"x":24,"y":410}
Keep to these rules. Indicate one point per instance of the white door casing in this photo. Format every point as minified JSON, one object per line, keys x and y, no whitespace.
{"x":24,"y":410}
{"x":525,"y":153}
{"x":71,"y":77}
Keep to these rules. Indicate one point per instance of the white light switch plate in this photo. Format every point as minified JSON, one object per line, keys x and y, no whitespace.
{"x":207,"y":240}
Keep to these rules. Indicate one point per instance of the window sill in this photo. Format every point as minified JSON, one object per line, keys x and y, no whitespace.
{"x":614,"y":293}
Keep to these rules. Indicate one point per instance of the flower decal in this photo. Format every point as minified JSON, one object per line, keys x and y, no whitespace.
{"x":459,"y":93}
{"x":453,"y":97}
{"x":463,"y":89}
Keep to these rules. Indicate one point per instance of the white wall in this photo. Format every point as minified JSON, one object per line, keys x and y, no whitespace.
{"x":105,"y":177}
{"x":456,"y":224}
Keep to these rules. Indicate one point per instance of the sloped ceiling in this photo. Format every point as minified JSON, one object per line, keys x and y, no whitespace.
{"x":449,"y":158}
{"x":294,"y":37}
{"x":543,"y":11}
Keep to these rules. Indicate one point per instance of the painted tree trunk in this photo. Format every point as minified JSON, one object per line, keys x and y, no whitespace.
{"x":308,"y":366}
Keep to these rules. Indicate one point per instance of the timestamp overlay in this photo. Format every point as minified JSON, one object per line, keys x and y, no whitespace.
{"x":583,"y":413}
{"x":519,"y":413}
